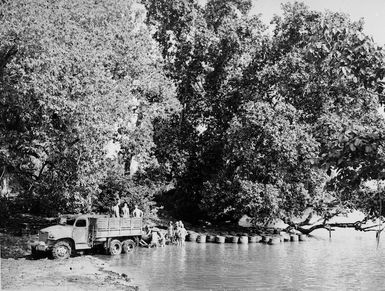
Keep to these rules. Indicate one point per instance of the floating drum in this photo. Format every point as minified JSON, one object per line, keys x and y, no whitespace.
{"x":192,"y":237}
{"x":293,"y":237}
{"x":274,"y":241}
{"x":285,"y":237}
{"x":201,"y":238}
{"x":220,"y":239}
{"x":301,"y":237}
{"x":243,"y":240}
{"x":265,"y":239}
{"x":232,"y":239}
{"x":255,"y":239}
{"x":210,"y":238}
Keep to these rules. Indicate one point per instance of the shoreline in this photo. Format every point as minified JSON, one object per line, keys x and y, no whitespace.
{"x":77,"y":273}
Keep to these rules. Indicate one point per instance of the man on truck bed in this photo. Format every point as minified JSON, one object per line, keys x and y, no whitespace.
{"x":137,"y":212}
{"x":126,"y":211}
{"x":116,"y":209}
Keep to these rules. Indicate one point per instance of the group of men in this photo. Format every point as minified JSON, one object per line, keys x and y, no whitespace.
{"x":154,"y":237}
{"x":124,"y":212}
{"x":177,"y":234}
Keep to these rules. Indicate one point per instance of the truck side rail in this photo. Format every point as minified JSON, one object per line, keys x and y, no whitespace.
{"x":115,"y":226}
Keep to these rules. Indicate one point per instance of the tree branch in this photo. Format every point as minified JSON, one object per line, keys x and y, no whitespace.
{"x":358,"y":225}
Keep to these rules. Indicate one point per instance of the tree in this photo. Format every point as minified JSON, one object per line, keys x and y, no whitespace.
{"x":270,"y":164}
{"x":206,"y":50}
{"x":279,"y":113}
{"x":324,"y":66}
{"x":84,"y":73}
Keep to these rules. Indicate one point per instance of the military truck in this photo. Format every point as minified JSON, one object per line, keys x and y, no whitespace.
{"x":114,"y":234}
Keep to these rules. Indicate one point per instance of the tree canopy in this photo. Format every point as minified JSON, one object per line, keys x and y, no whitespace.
{"x":201,"y":103}
{"x":279,"y":111}
{"x":84,"y":73}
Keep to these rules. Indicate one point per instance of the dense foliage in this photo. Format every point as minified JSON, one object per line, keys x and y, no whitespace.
{"x":221,"y":115}
{"x":279,"y":111}
{"x":85,"y":75}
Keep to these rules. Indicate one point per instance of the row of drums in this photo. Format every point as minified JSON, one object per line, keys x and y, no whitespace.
{"x":244,"y":239}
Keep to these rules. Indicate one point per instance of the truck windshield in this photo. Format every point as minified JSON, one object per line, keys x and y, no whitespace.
{"x":66,"y":221}
{"x":70,"y":221}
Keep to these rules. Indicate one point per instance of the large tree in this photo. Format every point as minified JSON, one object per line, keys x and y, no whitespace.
{"x":76,"y":75}
{"x":332,"y":73}
{"x":206,"y":50}
{"x":279,"y":112}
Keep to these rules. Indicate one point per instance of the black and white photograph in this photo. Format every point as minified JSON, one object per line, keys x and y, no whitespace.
{"x":192,"y":145}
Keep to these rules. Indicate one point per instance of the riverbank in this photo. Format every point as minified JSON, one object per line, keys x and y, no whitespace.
{"x":19,"y":271}
{"x":77,"y":273}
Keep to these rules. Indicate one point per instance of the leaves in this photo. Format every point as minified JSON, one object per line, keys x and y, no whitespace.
{"x":304,"y":101}
{"x":85,"y":73}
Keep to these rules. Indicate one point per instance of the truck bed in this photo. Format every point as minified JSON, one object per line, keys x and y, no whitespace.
{"x":105,"y":227}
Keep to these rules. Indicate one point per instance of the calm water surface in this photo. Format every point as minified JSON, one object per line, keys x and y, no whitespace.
{"x":350,"y":261}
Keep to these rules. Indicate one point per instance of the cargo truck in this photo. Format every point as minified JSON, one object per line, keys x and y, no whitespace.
{"x":84,"y":232}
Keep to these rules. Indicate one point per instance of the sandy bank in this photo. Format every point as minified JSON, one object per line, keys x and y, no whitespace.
{"x":78,"y":273}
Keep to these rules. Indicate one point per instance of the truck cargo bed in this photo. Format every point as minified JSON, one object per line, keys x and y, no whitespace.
{"x":104,"y":227}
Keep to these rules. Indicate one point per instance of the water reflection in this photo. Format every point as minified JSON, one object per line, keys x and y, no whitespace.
{"x":349,"y":261}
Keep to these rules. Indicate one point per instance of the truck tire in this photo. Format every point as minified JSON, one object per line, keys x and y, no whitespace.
{"x":61,"y":250}
{"x":128,"y":246}
{"x":115,"y":247}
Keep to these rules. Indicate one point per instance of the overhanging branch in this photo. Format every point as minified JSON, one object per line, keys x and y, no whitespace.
{"x":357,"y":225}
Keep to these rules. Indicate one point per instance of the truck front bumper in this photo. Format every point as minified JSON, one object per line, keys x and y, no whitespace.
{"x":40,"y":246}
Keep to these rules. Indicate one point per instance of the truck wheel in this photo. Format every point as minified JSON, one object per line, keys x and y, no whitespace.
{"x":115,"y":247}
{"x":61,"y":250}
{"x":128,"y":246}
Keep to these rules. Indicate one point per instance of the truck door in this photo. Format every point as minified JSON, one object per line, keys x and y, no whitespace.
{"x":80,"y":232}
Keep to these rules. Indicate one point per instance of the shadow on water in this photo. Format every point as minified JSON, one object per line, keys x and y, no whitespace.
{"x":349,"y":260}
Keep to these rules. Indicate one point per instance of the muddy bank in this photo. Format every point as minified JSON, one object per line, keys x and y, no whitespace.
{"x":15,"y":246}
{"x":19,"y":271}
{"x":78,"y":273}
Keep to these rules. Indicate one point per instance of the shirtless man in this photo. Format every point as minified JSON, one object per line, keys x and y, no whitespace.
{"x":126,"y":210}
{"x":162,"y":239}
{"x":171,"y":233}
{"x":116,"y":210}
{"x":154,"y":240}
{"x":137,"y":212}
{"x":182,"y":235}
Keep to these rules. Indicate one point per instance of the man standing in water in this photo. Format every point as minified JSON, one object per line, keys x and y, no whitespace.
{"x":182,"y":234}
{"x":170,"y":233}
{"x":137,"y":212}
{"x":154,"y":239}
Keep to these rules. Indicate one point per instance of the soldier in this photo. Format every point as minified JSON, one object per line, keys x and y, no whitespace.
{"x":182,"y":234}
{"x":154,"y":239}
{"x":171,"y":233}
{"x":137,"y":212}
{"x":162,"y":239}
{"x":116,"y":209}
{"x":126,"y":210}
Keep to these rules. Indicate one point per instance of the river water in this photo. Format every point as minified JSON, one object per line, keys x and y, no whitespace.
{"x":349,"y":261}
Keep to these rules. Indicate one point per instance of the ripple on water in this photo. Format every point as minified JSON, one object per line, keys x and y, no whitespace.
{"x":349,"y":261}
